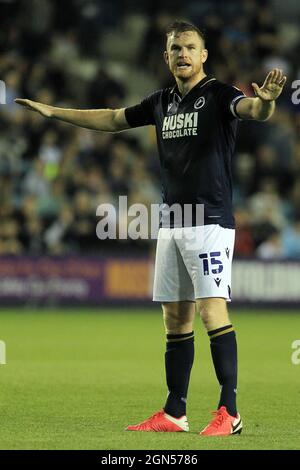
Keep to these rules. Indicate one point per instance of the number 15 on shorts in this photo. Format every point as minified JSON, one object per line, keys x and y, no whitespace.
{"x":211,"y":262}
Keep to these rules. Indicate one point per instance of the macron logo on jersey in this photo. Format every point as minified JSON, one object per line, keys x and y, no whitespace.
{"x":180,"y":125}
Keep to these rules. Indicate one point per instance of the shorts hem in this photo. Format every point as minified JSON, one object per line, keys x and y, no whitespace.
{"x":168,"y":299}
{"x":213,"y":297}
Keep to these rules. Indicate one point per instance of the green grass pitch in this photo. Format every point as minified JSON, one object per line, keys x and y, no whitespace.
{"x":75,"y":379}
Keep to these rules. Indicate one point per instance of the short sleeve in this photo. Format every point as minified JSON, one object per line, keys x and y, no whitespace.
{"x":228,"y":98}
{"x":142,"y":114}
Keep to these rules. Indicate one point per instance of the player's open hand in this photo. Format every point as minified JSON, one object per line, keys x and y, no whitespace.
{"x":41,"y":108}
{"x":272,"y":86}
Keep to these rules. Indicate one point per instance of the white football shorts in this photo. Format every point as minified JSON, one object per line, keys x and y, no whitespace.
{"x":193,"y":263}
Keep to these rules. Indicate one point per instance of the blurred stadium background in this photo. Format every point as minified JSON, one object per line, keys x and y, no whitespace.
{"x":95,"y":54}
{"x":108,"y":53}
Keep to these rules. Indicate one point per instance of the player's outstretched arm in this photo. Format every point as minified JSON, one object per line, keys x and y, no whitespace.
{"x":108,"y":120}
{"x":262,"y":107}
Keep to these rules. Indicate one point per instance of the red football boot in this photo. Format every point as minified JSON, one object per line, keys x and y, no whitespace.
{"x":161,"y":422}
{"x":223,"y":424}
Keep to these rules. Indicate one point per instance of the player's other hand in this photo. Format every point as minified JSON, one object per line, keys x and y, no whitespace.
{"x":41,"y":108}
{"x":272,"y":86}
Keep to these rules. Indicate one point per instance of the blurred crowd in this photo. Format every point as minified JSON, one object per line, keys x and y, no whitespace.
{"x":89,"y":54}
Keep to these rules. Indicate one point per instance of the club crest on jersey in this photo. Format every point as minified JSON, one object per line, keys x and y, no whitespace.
{"x":199,"y":103}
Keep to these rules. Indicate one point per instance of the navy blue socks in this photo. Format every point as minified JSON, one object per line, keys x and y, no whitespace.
{"x":224,"y":355}
{"x":179,"y":358}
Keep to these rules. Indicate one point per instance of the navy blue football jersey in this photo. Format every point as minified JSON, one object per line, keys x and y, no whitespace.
{"x":196,"y":138}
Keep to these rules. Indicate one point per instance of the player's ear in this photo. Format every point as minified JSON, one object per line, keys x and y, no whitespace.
{"x":166,"y":57}
{"x":204,"y":55}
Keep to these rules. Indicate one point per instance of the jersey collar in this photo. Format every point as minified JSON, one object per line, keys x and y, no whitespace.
{"x":198,"y":85}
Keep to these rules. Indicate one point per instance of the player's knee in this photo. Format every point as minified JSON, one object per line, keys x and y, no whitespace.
{"x":205,"y":317}
{"x":176,"y":325}
{"x":213,"y":313}
{"x":177,"y":321}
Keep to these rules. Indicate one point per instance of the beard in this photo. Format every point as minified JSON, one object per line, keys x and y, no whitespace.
{"x":186,"y":74}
